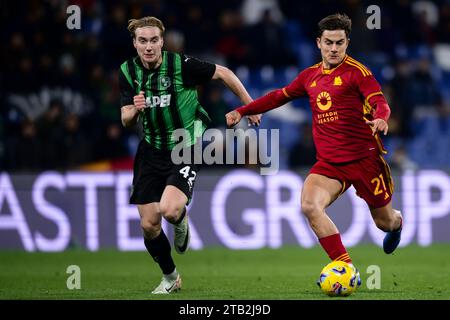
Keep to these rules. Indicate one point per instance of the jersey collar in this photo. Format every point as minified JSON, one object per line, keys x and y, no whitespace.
{"x":328,"y":71}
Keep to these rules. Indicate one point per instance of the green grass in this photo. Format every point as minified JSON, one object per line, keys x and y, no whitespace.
{"x":289,"y":273}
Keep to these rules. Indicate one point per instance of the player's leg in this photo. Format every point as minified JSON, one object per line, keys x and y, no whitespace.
{"x":149,"y":180}
{"x":387,"y":218}
{"x":375,"y":186}
{"x":158,"y":247}
{"x":173,"y":209}
{"x":173,"y":204}
{"x":177,"y":194}
{"x":390,"y":221}
{"x":318,"y":193}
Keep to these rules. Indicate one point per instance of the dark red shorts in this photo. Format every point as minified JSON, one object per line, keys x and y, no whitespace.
{"x":370,"y":176}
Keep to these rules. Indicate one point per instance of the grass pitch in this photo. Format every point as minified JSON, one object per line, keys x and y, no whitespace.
{"x":289,"y":273}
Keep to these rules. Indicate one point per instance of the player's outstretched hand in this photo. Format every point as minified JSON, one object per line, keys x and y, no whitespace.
{"x":139,"y":101}
{"x":378,"y":125}
{"x":254,"y":119}
{"x":233,"y":118}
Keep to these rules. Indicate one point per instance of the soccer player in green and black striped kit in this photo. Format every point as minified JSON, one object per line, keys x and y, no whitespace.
{"x":159,"y":87}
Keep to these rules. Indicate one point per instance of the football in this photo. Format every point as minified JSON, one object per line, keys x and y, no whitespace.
{"x":339,"y":279}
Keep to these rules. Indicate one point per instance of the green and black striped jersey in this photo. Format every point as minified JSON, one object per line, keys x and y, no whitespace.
{"x":171,"y":96}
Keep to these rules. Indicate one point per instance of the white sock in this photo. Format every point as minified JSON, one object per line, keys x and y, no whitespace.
{"x":172,"y":276}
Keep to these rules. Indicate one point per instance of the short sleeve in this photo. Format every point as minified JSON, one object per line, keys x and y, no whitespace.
{"x":195,"y":71}
{"x":126,"y":91}
{"x":367,"y":85}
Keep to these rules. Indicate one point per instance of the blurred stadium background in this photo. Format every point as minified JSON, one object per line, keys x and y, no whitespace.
{"x":66,"y":160}
{"x":60,"y":97}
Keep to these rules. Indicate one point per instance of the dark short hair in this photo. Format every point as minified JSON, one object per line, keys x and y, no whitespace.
{"x":335,"y":22}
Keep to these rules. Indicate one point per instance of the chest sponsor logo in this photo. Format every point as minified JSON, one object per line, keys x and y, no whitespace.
{"x":158,"y":101}
{"x":327,"y":117}
{"x":324,"y":101}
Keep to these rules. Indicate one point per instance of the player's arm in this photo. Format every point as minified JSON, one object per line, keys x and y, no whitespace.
{"x":232,"y":82}
{"x":130,"y":113}
{"x":272,"y":100}
{"x":381,"y":115}
{"x":235,"y":85}
{"x":131,"y":104}
{"x":371,"y":90}
{"x":197,"y":72}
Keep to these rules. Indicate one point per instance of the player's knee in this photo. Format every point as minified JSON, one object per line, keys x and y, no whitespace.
{"x":310,"y":208}
{"x":151,"y":229}
{"x":170,"y":212}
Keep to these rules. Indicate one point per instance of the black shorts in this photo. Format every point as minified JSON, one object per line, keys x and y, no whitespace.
{"x":154,"y":170}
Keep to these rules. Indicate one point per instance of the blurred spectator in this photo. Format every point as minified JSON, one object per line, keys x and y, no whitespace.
{"x":50,"y":133}
{"x":216,"y":106}
{"x":26,"y":149}
{"x":427,"y":15}
{"x":402,"y":103}
{"x":76,"y":146}
{"x":199,"y":28}
{"x":115,"y":35}
{"x":424,"y":92}
{"x":230,"y":43}
{"x":253,"y":11}
{"x":401,"y":161}
{"x":110,"y":94}
{"x":174,"y":41}
{"x":443,"y":34}
{"x":268,"y":43}
{"x":112,"y":144}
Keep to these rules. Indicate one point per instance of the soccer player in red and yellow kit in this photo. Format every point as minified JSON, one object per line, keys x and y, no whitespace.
{"x":349,"y":112}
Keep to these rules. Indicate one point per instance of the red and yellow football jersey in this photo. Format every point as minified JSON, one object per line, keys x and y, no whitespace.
{"x":339,"y":100}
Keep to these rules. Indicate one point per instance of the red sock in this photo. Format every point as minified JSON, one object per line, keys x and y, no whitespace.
{"x":334,"y":248}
